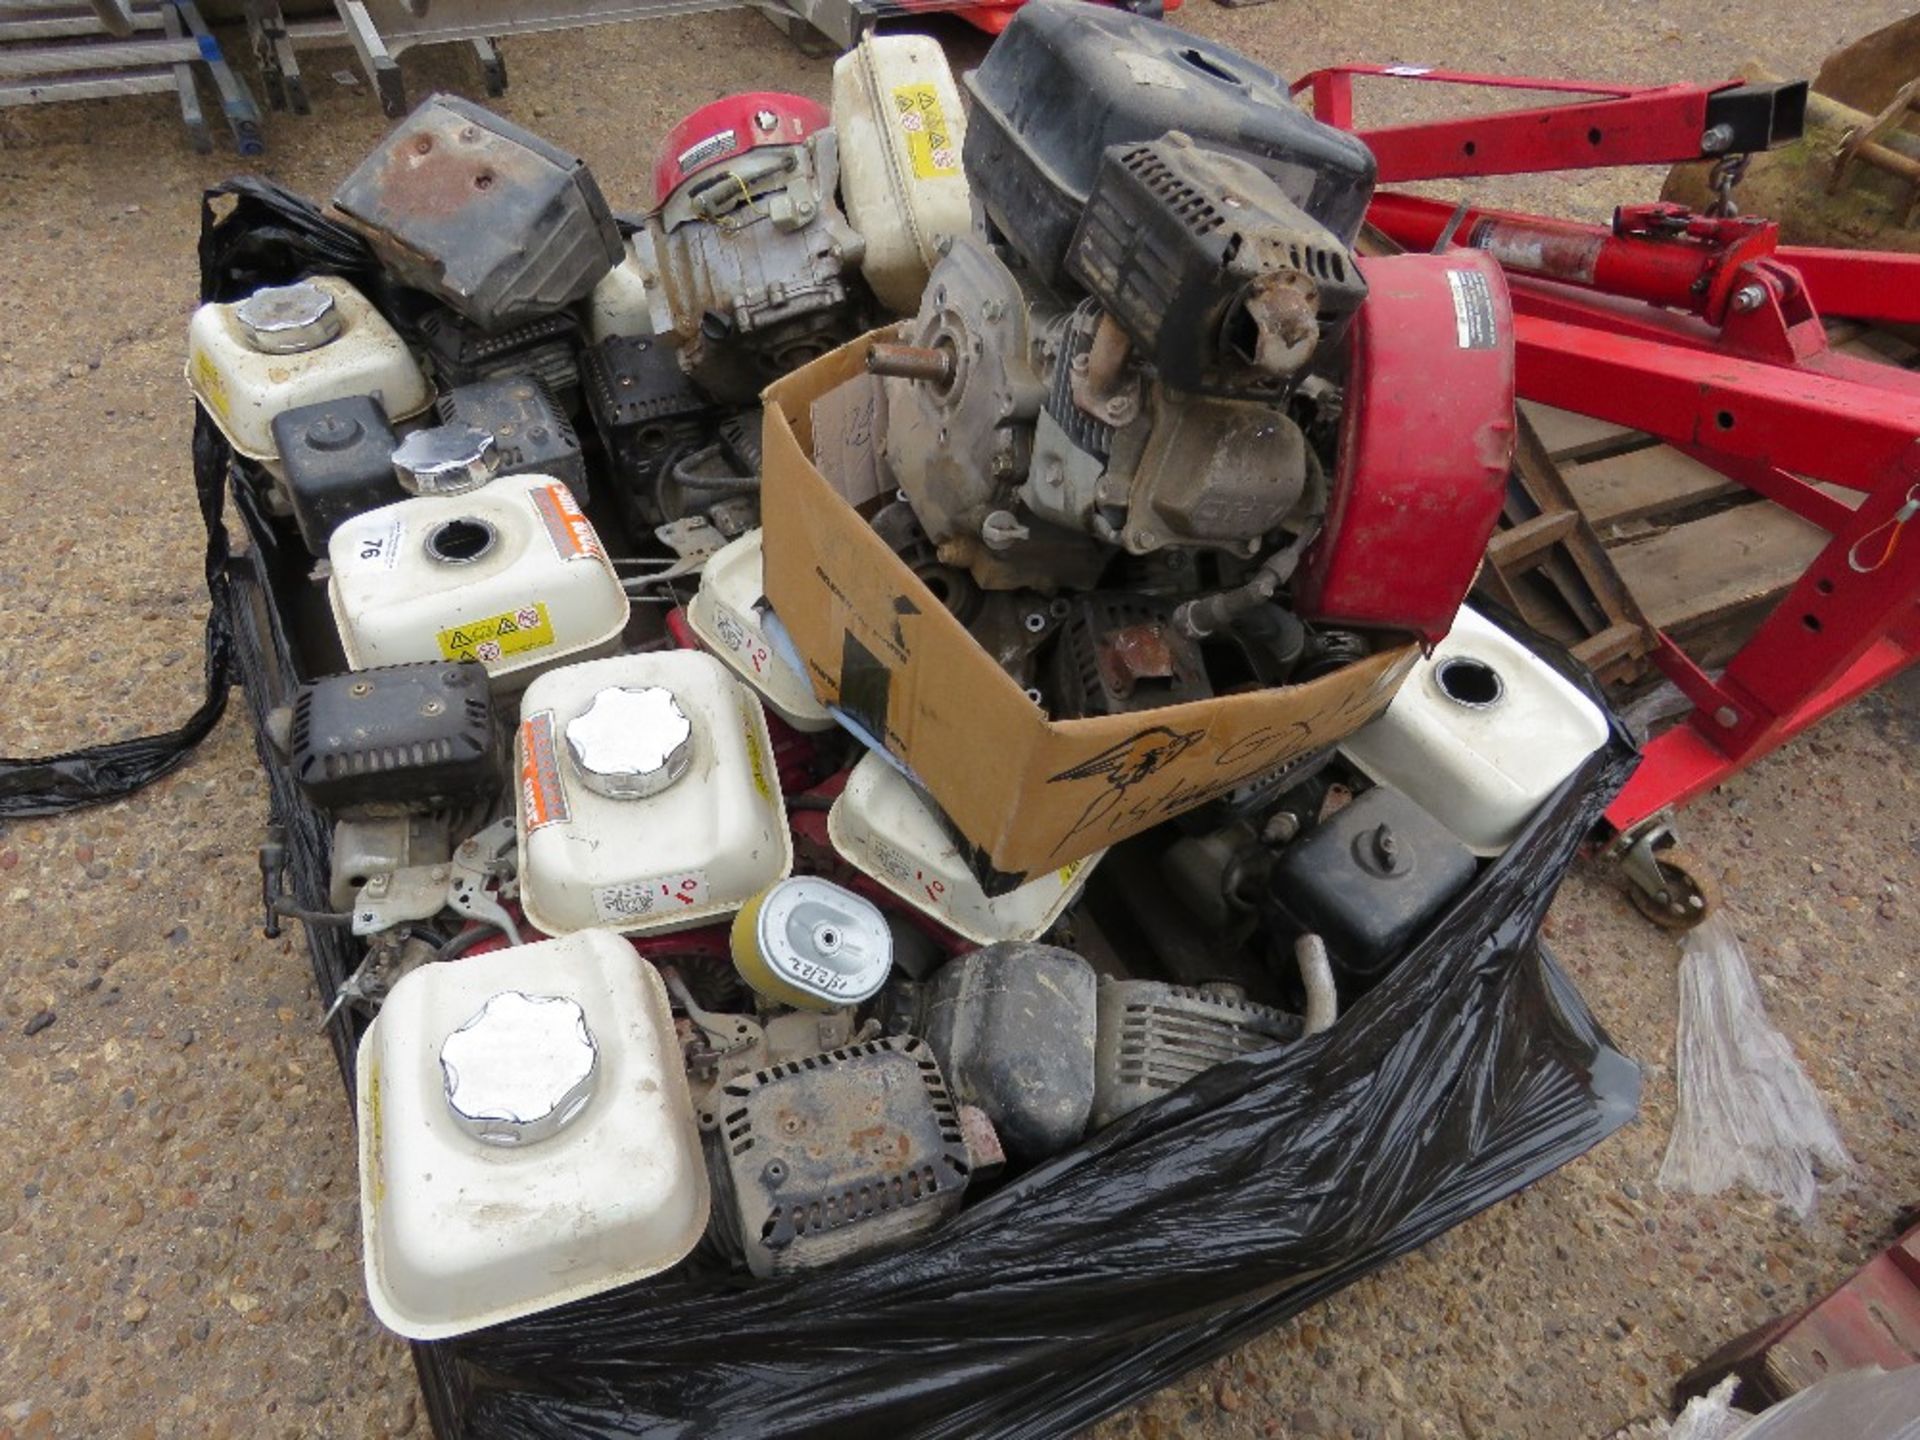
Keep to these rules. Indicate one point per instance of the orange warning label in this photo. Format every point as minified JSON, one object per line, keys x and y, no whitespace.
{"x":542,"y":801}
{"x":566,"y":523}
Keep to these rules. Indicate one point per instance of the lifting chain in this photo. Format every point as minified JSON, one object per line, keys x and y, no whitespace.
{"x":1727,"y":172}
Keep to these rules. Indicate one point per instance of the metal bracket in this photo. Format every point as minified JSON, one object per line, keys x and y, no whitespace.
{"x":483,"y":872}
{"x":1634,"y":850}
{"x":415,"y":892}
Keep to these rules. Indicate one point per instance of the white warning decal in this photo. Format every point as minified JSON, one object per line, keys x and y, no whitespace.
{"x":1473,"y":320}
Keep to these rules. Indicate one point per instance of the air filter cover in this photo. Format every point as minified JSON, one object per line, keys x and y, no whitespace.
{"x":841,"y":1154}
{"x":398,"y":738}
{"x":1155,"y":1037}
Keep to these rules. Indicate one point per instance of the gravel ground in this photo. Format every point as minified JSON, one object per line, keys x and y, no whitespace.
{"x":178,"y":1236}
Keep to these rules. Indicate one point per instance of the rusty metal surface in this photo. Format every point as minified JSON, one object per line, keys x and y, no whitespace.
{"x":1135,"y":653}
{"x":929,"y":364}
{"x":495,"y":221}
{"x":838,"y":1153}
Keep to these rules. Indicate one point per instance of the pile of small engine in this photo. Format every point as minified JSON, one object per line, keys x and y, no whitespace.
{"x":660,"y":960}
{"x":1125,"y":424}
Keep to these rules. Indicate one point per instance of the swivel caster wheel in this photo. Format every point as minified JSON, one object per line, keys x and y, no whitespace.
{"x":1684,"y":895}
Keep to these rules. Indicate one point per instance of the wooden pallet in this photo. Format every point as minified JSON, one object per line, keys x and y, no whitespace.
{"x":1701,"y":558}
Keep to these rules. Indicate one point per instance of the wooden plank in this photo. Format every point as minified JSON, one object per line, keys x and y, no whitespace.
{"x":1525,"y":541}
{"x":1880,"y":345}
{"x":1617,"y":642}
{"x":1577,"y":570}
{"x":1568,"y":436}
{"x":1692,"y":574}
{"x":1643,"y":483}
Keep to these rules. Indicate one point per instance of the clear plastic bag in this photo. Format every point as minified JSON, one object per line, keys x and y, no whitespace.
{"x":1711,"y":1416}
{"x":1866,"y":1404}
{"x":1748,"y":1113}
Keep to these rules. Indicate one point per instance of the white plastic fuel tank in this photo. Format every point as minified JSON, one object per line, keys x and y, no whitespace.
{"x":511,"y":575}
{"x":728,"y":614}
{"x":526,"y":1136}
{"x":292,"y":345}
{"x":623,"y":303}
{"x":647,"y":798}
{"x":885,"y":828}
{"x":1480,"y":734}
{"x":901,"y":126}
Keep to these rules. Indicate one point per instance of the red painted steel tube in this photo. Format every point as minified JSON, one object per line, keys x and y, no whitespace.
{"x":1683,"y":763}
{"x":1563,"y":250}
{"x":1826,"y":426}
{"x":1859,"y":284}
{"x":1617,"y":125}
{"x":1708,"y":334}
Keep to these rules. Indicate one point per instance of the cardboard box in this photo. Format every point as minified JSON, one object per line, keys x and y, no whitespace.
{"x":1030,"y":792}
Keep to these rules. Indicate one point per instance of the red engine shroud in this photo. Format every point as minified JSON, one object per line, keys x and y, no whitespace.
{"x":1425,"y":441}
{"x":732,"y":126}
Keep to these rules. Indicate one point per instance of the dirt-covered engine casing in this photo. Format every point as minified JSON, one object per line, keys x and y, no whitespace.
{"x":961,"y":445}
{"x":748,"y":261}
{"x":498,"y":224}
{"x":839,"y":1154}
{"x":1222,"y":283}
{"x":1040,"y":443}
{"x":1068,"y":81}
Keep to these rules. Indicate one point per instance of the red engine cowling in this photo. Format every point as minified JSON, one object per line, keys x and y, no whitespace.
{"x":730,"y":127}
{"x":1426,"y":439}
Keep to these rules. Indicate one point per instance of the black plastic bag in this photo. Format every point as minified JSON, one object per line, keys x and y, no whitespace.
{"x":1191,"y":1225}
{"x":50,"y":784}
{"x":1170,"y":1237}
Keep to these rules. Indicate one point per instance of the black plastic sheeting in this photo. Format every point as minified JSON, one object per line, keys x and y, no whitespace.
{"x":50,"y":784}
{"x":1170,"y":1237}
{"x":1188,"y":1227}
